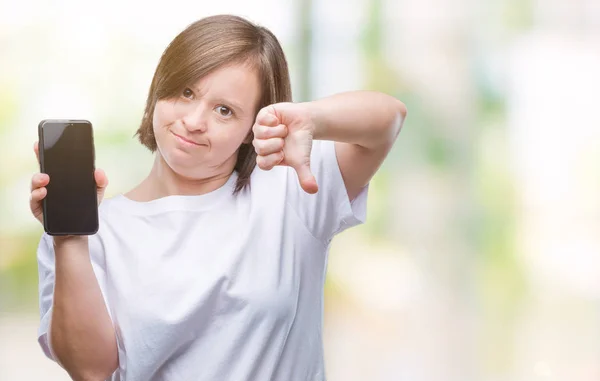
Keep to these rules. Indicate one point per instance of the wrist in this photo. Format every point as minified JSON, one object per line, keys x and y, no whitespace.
{"x":316,"y":120}
{"x":69,"y":240}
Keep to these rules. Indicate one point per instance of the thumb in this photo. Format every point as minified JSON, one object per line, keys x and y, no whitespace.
{"x":101,"y":183}
{"x":306,"y":178}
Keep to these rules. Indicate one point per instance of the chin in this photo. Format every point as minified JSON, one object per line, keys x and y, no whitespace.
{"x":182,"y":164}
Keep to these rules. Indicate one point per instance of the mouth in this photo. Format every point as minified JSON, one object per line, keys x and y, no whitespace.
{"x":185,"y":141}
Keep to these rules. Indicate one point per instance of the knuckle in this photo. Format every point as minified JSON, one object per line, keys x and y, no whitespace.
{"x":269,"y":132}
{"x":262,"y":114}
{"x":261,"y":131}
{"x":267,"y":165}
{"x":263,"y":148}
{"x":263,"y":163}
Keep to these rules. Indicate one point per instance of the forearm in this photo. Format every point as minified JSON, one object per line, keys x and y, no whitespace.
{"x":81,"y":333}
{"x":369,"y":119}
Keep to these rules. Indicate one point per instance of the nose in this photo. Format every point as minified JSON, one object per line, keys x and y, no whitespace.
{"x":195,"y":119}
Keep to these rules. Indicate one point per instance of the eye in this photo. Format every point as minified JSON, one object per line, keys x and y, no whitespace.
{"x":224,"y":111}
{"x":187,"y":93}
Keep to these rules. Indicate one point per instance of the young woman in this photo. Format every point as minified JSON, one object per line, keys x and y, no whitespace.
{"x":210,"y":268}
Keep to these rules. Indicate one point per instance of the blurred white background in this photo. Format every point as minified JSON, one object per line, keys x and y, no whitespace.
{"x":480,"y":258}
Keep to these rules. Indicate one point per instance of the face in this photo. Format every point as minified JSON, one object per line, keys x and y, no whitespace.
{"x":199,"y":132}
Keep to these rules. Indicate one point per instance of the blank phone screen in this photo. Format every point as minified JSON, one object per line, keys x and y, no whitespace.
{"x":68,"y":158}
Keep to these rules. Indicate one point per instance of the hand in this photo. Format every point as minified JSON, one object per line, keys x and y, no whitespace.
{"x":283,"y":135}
{"x":40,"y":180}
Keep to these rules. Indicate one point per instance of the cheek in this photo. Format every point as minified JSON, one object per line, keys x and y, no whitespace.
{"x":164,"y":114}
{"x":159,"y":133}
{"x":231,"y":138}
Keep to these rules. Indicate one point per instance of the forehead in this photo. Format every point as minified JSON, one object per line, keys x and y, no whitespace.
{"x":238,"y":83}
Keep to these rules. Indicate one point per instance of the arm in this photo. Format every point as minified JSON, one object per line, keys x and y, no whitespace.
{"x":81,"y":334}
{"x":360,"y":128}
{"x":364,"y":126}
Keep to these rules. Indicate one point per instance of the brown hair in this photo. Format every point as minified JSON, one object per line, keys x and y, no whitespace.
{"x":206,"y":45}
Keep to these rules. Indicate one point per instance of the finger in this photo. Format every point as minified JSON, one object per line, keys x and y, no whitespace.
{"x":38,"y":195}
{"x":267,"y":117}
{"x":36,"y":149}
{"x":100,"y":177}
{"x":39,"y":180}
{"x":266,"y":147}
{"x":101,"y":183}
{"x":35,"y":202}
{"x":267,"y":132}
{"x":307,"y":180}
{"x":268,"y":162}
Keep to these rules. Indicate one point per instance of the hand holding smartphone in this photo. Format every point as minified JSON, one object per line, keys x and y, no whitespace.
{"x":66,"y":194}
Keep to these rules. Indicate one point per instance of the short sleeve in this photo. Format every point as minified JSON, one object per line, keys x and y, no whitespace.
{"x":329,"y":211}
{"x":45,"y":258}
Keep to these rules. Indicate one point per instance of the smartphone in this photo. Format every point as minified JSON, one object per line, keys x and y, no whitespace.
{"x":66,"y":152}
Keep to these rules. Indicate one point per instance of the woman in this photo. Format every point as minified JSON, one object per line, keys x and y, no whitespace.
{"x":212,"y":269}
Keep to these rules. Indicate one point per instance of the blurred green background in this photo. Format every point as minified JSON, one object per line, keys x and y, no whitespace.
{"x":480,"y":258}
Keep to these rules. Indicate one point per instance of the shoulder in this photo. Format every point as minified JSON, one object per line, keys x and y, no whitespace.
{"x":109,"y":205}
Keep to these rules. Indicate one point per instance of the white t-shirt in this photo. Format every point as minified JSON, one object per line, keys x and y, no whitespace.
{"x":217,"y":286}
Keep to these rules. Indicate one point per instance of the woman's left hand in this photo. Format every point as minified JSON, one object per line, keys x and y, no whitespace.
{"x":283,"y":135}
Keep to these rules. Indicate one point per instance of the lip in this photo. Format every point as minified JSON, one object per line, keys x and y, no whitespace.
{"x":185,"y":141}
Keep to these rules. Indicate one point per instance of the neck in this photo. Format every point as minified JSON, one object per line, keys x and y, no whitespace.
{"x":163,"y":181}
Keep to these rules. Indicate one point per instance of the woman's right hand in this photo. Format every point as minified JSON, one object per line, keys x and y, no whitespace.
{"x":40,"y":180}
